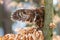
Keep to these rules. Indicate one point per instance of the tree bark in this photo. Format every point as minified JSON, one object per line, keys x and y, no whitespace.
{"x":48,"y":32}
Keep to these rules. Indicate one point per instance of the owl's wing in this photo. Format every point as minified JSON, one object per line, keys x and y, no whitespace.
{"x":23,"y":15}
{"x":36,"y":15}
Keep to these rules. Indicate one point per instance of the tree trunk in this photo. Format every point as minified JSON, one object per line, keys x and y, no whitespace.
{"x":1,"y":15}
{"x":6,"y":22}
{"x":48,"y":19}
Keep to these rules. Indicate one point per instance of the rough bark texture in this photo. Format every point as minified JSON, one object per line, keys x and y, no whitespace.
{"x":48,"y":19}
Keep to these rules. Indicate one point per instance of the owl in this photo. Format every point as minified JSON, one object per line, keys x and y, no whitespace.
{"x":30,"y":15}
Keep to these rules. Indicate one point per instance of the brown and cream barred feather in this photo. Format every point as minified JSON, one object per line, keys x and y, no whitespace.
{"x":30,"y":15}
{"x":35,"y":35}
